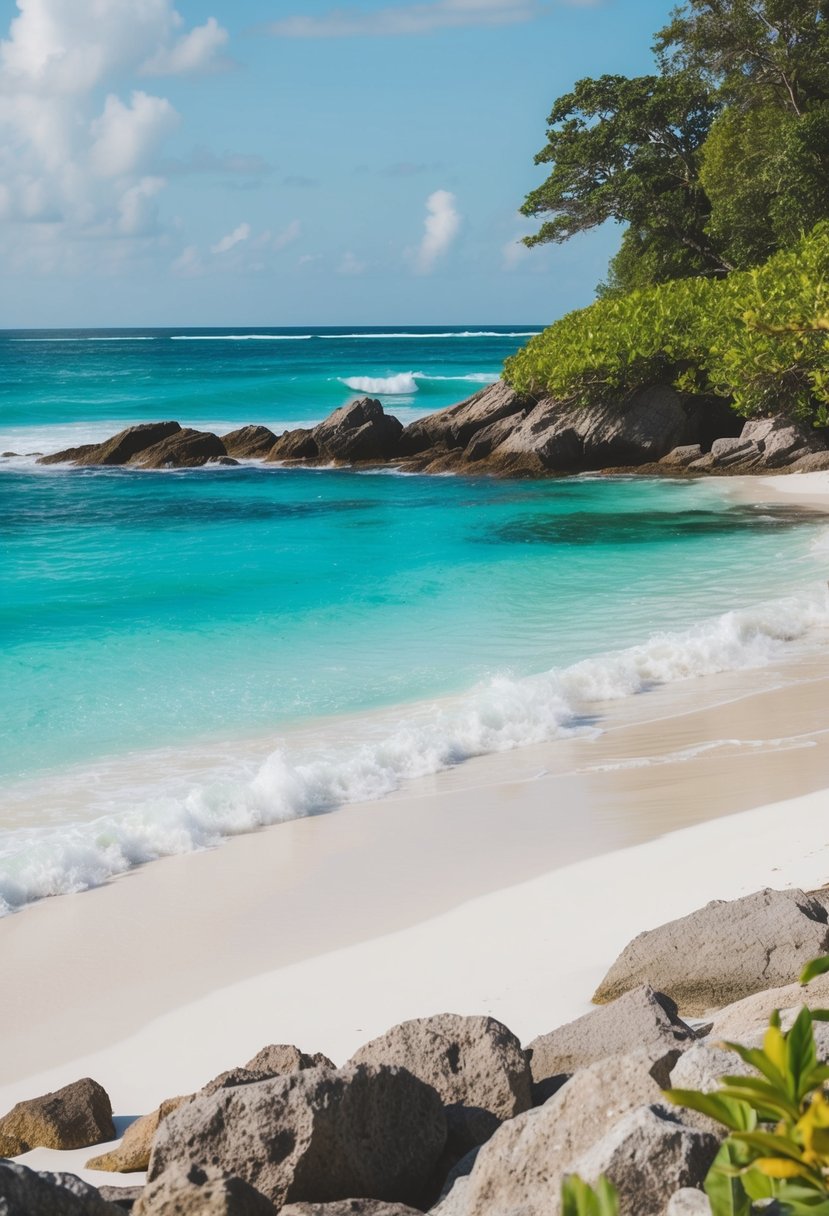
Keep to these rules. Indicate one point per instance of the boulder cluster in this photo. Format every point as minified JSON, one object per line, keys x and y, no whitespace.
{"x":497,"y":431}
{"x":451,"y":1114}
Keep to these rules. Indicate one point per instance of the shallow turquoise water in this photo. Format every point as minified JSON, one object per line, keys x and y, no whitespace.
{"x":145,"y":610}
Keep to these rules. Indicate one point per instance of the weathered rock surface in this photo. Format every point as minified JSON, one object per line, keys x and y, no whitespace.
{"x":813,"y":463}
{"x":294,"y":445}
{"x":641,"y":1019}
{"x":706,"y":1062}
{"x":750,"y":1016}
{"x":681,"y":458}
{"x":124,"y":1197}
{"x":520,"y":1169}
{"x":315,"y":1135}
{"x":76,"y":1116}
{"x":186,"y":449}
{"x":249,"y":442}
{"x":195,"y":1191}
{"x":120,"y":448}
{"x":349,"y":1207}
{"x":688,"y":1202}
{"x":782,"y":440}
{"x":23,"y":1192}
{"x":453,"y":428}
{"x":736,"y":947}
{"x":476,"y":1064}
{"x":133,"y":1153}
{"x":359,"y":431}
{"x":279,"y":1058}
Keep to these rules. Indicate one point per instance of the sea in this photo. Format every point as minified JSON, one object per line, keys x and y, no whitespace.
{"x":189,"y":655}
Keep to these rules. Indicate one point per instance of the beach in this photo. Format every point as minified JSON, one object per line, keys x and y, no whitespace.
{"x":505,"y":885}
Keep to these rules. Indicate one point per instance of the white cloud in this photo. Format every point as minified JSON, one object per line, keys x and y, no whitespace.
{"x":400,"y":19}
{"x":137,"y":215}
{"x":350,"y":264}
{"x":287,"y":236}
{"x":125,"y":136}
{"x":441,"y":226}
{"x":188,"y":265}
{"x":197,"y":51}
{"x":240,"y":233}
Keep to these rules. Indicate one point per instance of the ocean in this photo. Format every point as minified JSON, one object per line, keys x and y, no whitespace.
{"x":189,"y":655}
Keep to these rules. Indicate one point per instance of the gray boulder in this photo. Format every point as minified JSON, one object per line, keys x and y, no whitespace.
{"x":688,"y":1202}
{"x":727,"y":453}
{"x":453,"y":428}
{"x":782,"y":440}
{"x":814,"y":462}
{"x":195,"y":1191}
{"x":723,"y":951}
{"x":186,"y":449}
{"x":24,"y":1192}
{"x":279,"y":1058}
{"x":76,"y":1116}
{"x":680,"y":458}
{"x":350,"y":1207}
{"x":249,"y":442}
{"x":750,"y":1016}
{"x":359,"y":431}
{"x":476,"y":1065}
{"x":648,"y":1156}
{"x":293,"y":445}
{"x":641,"y":1018}
{"x":314,"y":1135}
{"x":124,"y":1197}
{"x":117,"y":450}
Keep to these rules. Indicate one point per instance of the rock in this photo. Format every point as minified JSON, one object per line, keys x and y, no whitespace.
{"x":184,"y":1190}
{"x":688,"y":1202}
{"x":76,"y":1116}
{"x":120,"y":448}
{"x":454,"y":427}
{"x":737,"y":948}
{"x":750,"y":1016}
{"x":9,"y":455}
{"x":186,"y":449}
{"x":124,"y":1197}
{"x":728,"y":452}
{"x":782,"y":440}
{"x":648,"y":1156}
{"x":476,"y":1065}
{"x":812,"y":463}
{"x":249,"y":442}
{"x":706,"y":1063}
{"x":484,"y":442}
{"x":23,"y":1192}
{"x":133,"y":1153}
{"x":315,"y":1135}
{"x":10,"y":1146}
{"x":557,"y":438}
{"x":641,"y":1018}
{"x":294,"y":445}
{"x":703,"y":465}
{"x":681,"y":457}
{"x":234,"y":1077}
{"x":359,"y":431}
{"x":279,"y":1058}
{"x":520,"y":1170}
{"x":349,"y":1207}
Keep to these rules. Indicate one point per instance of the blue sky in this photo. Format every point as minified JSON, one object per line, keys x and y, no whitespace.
{"x":278,"y":162}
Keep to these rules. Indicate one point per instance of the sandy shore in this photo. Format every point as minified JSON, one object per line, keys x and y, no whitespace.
{"x":505,"y":886}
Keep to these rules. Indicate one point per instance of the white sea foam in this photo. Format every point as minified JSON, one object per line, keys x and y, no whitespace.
{"x":467,"y":333}
{"x":497,"y":716}
{"x":403,"y":384}
{"x":241,"y":337}
{"x":108,"y":338}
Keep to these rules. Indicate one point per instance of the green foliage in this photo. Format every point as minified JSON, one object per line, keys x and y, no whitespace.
{"x":778,"y":1120}
{"x":579,"y":1199}
{"x":756,"y":338}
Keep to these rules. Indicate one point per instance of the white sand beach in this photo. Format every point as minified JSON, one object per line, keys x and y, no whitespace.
{"x":504,"y":886}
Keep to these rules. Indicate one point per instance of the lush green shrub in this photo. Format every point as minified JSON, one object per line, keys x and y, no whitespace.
{"x":757,"y":338}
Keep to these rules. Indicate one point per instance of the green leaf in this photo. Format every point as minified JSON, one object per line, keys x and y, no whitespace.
{"x":818,"y":966}
{"x":725,"y":1192}
{"x":733,"y":1113}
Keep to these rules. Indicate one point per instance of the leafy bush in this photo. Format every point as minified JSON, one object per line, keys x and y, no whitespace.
{"x":757,"y":338}
{"x":579,"y":1199}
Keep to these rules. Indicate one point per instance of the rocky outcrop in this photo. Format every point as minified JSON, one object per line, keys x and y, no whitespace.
{"x":641,"y":1019}
{"x":737,"y":948}
{"x":119,"y":449}
{"x":453,"y":429}
{"x":249,"y":442}
{"x":196,"y":1191}
{"x":24,"y":1192}
{"x":681,"y":458}
{"x":360,"y":431}
{"x":765,"y":444}
{"x":744,"y":1018}
{"x":315,"y":1135}
{"x":186,"y":449}
{"x":293,"y":445}
{"x":476,"y":1065}
{"x":279,"y":1058}
{"x":76,"y":1116}
{"x":133,"y":1153}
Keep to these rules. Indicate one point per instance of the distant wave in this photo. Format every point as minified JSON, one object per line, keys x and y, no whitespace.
{"x":494,"y":717}
{"x":109,"y":338}
{"x":241,"y":337}
{"x":403,"y":384}
{"x":467,"y":333}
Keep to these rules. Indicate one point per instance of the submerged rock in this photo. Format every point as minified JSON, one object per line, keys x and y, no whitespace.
{"x":76,"y":1116}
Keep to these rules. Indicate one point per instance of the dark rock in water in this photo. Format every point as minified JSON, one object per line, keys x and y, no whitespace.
{"x":124,"y":1197}
{"x":24,"y":1192}
{"x":294,"y":445}
{"x":454,"y":427}
{"x":314,"y":1135}
{"x":736,"y":948}
{"x":359,"y":431}
{"x":249,"y":442}
{"x":476,"y":1065}
{"x":186,"y":449}
{"x":195,"y":1191}
{"x":70,"y":455}
{"x":76,"y":1116}
{"x":120,"y":448}
{"x":641,"y":1018}
{"x":279,"y":1058}
{"x":9,"y":455}
{"x":349,"y":1207}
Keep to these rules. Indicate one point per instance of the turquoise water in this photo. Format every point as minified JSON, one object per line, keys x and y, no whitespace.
{"x":177,"y":611}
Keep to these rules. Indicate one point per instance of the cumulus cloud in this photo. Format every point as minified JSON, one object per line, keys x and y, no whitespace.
{"x":441,"y":226}
{"x":400,"y":19}
{"x":350,"y":264}
{"x":287,"y":236}
{"x":78,"y":167}
{"x":239,"y":234}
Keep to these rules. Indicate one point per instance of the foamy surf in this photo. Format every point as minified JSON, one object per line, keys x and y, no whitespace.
{"x":403,"y":384}
{"x":498,"y":716}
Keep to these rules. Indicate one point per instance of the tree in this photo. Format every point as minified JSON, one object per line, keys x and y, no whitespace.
{"x":628,"y":150}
